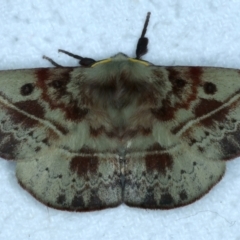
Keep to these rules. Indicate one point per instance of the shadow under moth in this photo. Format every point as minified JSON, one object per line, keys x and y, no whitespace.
{"x":119,"y":130}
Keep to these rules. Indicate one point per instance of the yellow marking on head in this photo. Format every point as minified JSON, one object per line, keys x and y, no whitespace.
{"x":102,"y":62}
{"x":139,"y":61}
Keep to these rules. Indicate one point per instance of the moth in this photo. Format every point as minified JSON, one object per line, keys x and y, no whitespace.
{"x":119,"y":130}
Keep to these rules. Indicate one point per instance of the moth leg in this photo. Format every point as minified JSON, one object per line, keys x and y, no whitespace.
{"x":86,"y":62}
{"x":143,"y":41}
{"x":52,"y":62}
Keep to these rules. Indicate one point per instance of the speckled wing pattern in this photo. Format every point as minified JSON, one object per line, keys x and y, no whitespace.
{"x":120,"y":130}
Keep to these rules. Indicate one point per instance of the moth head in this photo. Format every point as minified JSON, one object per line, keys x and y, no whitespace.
{"x":120,"y":57}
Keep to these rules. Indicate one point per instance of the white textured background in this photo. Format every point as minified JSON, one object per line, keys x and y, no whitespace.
{"x":184,"y":32}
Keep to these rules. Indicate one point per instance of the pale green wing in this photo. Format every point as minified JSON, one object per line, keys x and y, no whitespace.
{"x":46,"y":124}
{"x":194,"y":127}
